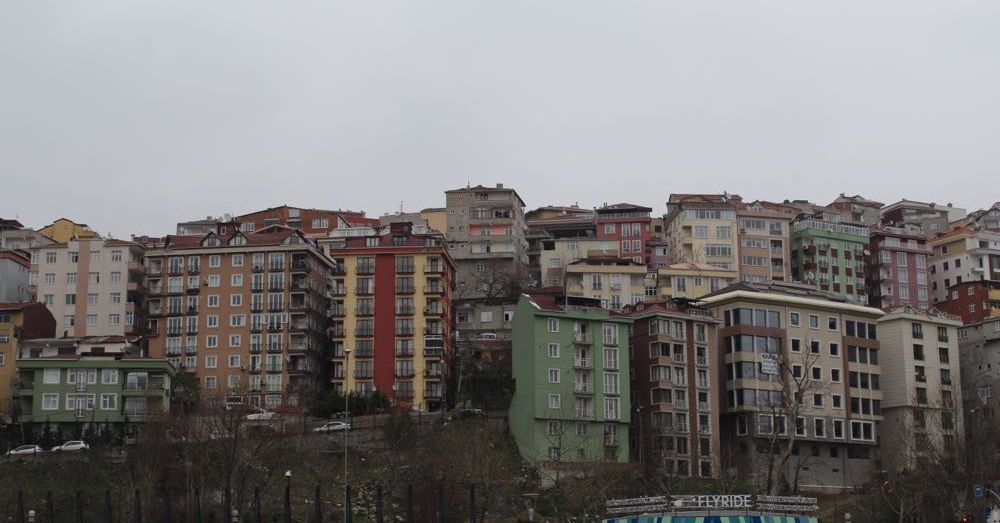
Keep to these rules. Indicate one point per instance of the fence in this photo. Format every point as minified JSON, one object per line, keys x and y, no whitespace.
{"x":113,"y":509}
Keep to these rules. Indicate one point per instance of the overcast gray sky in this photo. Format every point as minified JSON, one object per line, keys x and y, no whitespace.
{"x":133,"y":115}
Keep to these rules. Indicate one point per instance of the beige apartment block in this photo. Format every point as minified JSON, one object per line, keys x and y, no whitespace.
{"x":244,"y":313}
{"x":765,"y":249}
{"x":799,"y":369}
{"x":93,"y":286}
{"x":614,"y":281}
{"x":922,"y":388}
{"x":692,"y":280}
{"x":557,"y":254}
{"x":703,"y":228}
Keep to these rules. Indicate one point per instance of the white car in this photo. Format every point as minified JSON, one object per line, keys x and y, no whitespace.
{"x":25,"y":450}
{"x":333,"y":426}
{"x":71,"y":446}
{"x":262,"y":415}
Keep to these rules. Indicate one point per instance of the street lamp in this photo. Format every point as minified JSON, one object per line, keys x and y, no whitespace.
{"x":347,"y":502}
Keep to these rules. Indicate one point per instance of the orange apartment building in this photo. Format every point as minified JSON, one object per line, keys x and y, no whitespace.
{"x":245,"y":313}
{"x":391,"y":312}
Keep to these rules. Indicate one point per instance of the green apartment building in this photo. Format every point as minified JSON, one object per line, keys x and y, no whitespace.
{"x":74,"y":391}
{"x":831,"y":257}
{"x":571,"y":373}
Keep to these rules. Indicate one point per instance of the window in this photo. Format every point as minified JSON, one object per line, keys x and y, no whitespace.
{"x":236,"y":280}
{"x":553,"y":350}
{"x":796,"y":345}
{"x":813,"y":321}
{"x":817,"y":400}
{"x":553,"y":325}
{"x":817,"y":373}
{"x":212,"y":321}
{"x":610,"y":333}
{"x":553,"y":375}
{"x":211,"y":362}
{"x":831,"y":322}
{"x":701,"y":231}
{"x":109,"y":401}
{"x":555,"y":401}
{"x":211,"y":382}
{"x":236,"y":260}
{"x":819,"y":427}
{"x":91,"y":320}
{"x":611,"y":408}
{"x":235,"y":300}
{"x":212,"y":341}
{"x":918,"y":352}
{"x":793,"y":319}
{"x":50,"y":401}
{"x":215,"y":260}
{"x":611,"y":383}
{"x":835,"y":375}
{"x":234,"y":341}
{"x":838,"y":429}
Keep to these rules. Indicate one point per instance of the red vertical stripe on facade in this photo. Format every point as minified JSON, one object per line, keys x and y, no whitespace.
{"x":385,"y":323}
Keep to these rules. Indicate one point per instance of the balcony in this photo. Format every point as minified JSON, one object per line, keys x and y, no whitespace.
{"x":276,"y":286}
{"x":433,"y":331}
{"x":338,"y":311}
{"x":337,"y":332}
{"x":273,"y":367}
{"x":404,"y":269}
{"x":255,"y":349}
{"x":364,"y":291}
{"x":433,"y":394}
{"x":680,"y":405}
{"x":273,"y":347}
{"x":584,"y":413}
{"x":433,"y":269}
{"x":338,"y":290}
{"x":257,"y":268}
{"x":301,"y":266}
{"x":406,"y":332}
{"x":433,"y":289}
{"x":583,"y":388}
{"x":256,"y":288}
{"x":175,"y":289}
{"x":610,"y":440}
{"x":364,"y":311}
{"x":583,"y":363}
{"x":405,"y":289}
{"x":256,"y":328}
{"x":298,"y":326}
{"x":404,"y":373}
{"x":276,"y":267}
{"x":704,"y":429}
{"x":194,"y":270}
{"x":364,"y":331}
{"x":703,"y":405}
{"x":583,"y":338}
{"x":433,"y":311}
{"x":404,"y":311}
{"x":920,"y":377}
{"x":364,"y":269}
{"x":433,"y":353}
{"x":433,"y":373}
{"x":192,"y":290}
{"x":175,"y":271}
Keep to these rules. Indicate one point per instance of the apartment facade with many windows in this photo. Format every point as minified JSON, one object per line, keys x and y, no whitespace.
{"x":614,"y":281}
{"x":391,"y":312}
{"x":91,"y":392}
{"x":799,"y":369}
{"x":963,"y":255}
{"x":627,"y":225}
{"x":19,"y":322}
{"x":93,"y":287}
{"x":244,"y":313}
{"x":703,"y":228}
{"x":675,"y":388}
{"x":571,"y":392}
{"x":922,"y":388}
{"x":831,"y":257}
{"x":898,"y":273}
{"x":765,"y":248}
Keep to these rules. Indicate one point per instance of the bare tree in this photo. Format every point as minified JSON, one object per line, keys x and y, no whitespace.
{"x":784,"y":411}
{"x":498,"y":280}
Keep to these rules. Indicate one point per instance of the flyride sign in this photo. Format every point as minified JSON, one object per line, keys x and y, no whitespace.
{"x":710,"y":502}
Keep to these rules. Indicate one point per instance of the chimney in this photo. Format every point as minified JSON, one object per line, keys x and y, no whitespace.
{"x":499,"y":186}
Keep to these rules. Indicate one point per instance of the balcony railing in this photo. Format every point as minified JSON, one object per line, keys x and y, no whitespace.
{"x":365,"y":269}
{"x":583,"y":363}
{"x":583,"y":388}
{"x":433,"y":269}
{"x":584,"y":413}
{"x":584,"y":338}
{"x":433,"y":289}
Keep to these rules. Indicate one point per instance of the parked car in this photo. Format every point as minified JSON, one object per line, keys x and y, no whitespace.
{"x":333,"y":426}
{"x":466,"y":414}
{"x":262,"y":415}
{"x":70,"y":446}
{"x":25,"y":450}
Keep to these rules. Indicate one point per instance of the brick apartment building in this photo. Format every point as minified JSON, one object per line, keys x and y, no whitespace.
{"x":245,"y":313}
